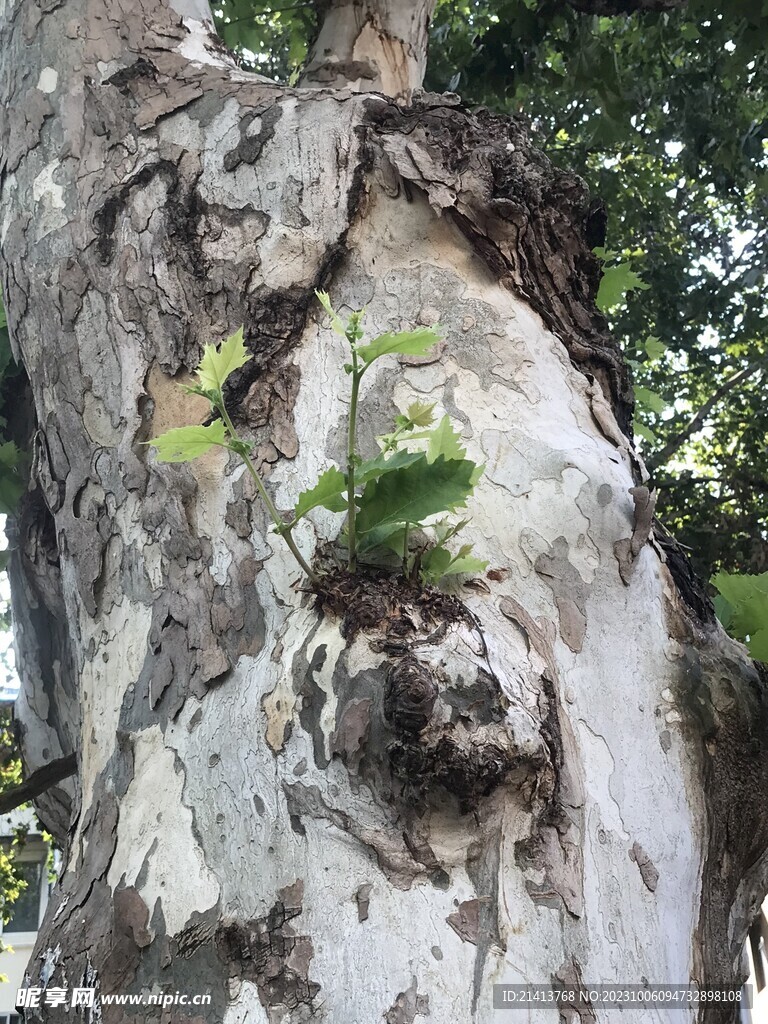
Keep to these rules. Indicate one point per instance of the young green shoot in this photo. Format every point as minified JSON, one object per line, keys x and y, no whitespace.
{"x":386,"y":498}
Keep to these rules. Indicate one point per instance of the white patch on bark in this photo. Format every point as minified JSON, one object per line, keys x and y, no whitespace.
{"x":196,"y":46}
{"x":246,"y":1007}
{"x":121,"y":635}
{"x":49,"y":78}
{"x":153,"y":812}
{"x":50,"y":195}
{"x":329,"y":636}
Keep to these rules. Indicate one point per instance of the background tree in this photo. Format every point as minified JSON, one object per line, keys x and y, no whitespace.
{"x":369,"y":799}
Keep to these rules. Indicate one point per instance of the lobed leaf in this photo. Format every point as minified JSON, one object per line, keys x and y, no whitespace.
{"x":743,"y":608}
{"x":615,"y":283}
{"x":421,"y":414}
{"x":219,"y":362}
{"x":647,"y":399}
{"x":336,"y":322}
{"x":328,"y":493}
{"x":372,"y":469}
{"x":185,"y":443}
{"x":412,"y":343}
{"x":654,"y":347}
{"x":439,"y":562}
{"x":445,"y":441}
{"x":414,"y":492}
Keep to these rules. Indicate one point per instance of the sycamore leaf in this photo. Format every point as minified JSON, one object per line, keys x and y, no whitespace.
{"x":445,"y":441}
{"x":647,"y":399}
{"x":439,"y":562}
{"x":645,"y":432}
{"x":654,"y":348}
{"x":615,"y":283}
{"x":445,"y":529}
{"x":219,"y":362}
{"x":412,"y":343}
{"x":185,"y":443}
{"x":395,"y":541}
{"x":328,"y":493}
{"x":723,"y":611}
{"x":758,"y":644}
{"x":336,"y":322}
{"x":372,"y":469}
{"x":415,"y":492}
{"x":421,"y":414}
{"x":434,"y":563}
{"x":10,"y":456}
{"x":391,"y":535}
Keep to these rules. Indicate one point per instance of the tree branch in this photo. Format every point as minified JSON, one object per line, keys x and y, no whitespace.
{"x":696,"y":422}
{"x":38,"y":782}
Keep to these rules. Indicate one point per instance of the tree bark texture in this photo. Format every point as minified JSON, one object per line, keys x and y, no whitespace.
{"x":371,"y":46}
{"x":374,"y":803}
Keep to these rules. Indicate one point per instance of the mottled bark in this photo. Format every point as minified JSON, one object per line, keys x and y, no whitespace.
{"x":375,"y":803}
{"x":371,"y":46}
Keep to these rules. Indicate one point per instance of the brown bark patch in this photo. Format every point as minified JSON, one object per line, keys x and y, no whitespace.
{"x":408,"y":1006}
{"x":268,"y":952}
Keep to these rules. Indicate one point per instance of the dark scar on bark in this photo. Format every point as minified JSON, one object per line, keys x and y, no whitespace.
{"x":420,"y":730}
{"x":268,"y":952}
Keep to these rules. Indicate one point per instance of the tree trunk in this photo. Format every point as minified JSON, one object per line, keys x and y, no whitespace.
{"x":374,"y":802}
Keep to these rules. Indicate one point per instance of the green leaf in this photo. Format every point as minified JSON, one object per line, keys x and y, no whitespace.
{"x":412,"y":343}
{"x":615,"y":283}
{"x":421,"y":414}
{"x":327,"y":493}
{"x":435,"y":563}
{"x":336,"y":322}
{"x":439,"y":562}
{"x":654,"y":348}
{"x":372,"y":469}
{"x":218,"y":363}
{"x":415,"y":492}
{"x":643,"y":431}
{"x":445,"y":441}
{"x":5,"y":557}
{"x":467,"y":563}
{"x":444,"y":529}
{"x":184,"y":443}
{"x":758,"y":644}
{"x":723,"y":611}
{"x":647,"y":399}
{"x":391,"y":535}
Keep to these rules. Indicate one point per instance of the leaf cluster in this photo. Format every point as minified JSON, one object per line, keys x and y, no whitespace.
{"x":421,"y":471}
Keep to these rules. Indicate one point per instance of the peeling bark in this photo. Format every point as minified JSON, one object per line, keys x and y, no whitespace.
{"x":375,"y":801}
{"x":371,"y":46}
